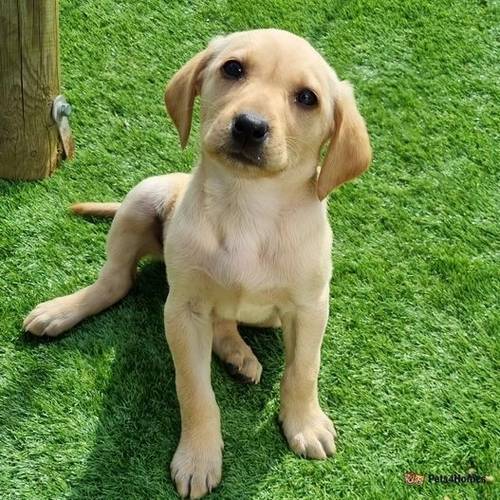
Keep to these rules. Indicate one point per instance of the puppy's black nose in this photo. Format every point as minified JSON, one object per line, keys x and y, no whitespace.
{"x":249,"y":129}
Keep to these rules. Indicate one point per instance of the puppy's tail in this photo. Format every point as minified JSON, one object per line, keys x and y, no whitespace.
{"x":96,"y":209}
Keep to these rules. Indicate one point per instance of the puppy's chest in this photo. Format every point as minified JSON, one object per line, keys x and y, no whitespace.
{"x":246,"y":257}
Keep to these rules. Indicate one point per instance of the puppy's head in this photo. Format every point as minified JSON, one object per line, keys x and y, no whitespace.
{"x":269,"y":102}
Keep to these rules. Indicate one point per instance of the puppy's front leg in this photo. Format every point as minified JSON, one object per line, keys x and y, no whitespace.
{"x":197,"y":464}
{"x":309,"y":431}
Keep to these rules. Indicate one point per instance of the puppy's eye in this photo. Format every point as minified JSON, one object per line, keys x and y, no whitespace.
{"x":233,"y":69}
{"x":306,"y":97}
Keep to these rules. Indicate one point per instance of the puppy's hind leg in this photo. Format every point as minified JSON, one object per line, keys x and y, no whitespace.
{"x":233,"y":351}
{"x":135,"y":232}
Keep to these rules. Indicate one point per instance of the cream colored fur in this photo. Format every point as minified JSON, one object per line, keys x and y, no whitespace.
{"x":242,"y":244}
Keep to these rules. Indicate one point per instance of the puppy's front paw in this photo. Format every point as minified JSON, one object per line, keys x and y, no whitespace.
{"x":52,"y":317}
{"x":196,"y":468}
{"x":309,"y":434}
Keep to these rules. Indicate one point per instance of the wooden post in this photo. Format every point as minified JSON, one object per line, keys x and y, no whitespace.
{"x":29,"y":81}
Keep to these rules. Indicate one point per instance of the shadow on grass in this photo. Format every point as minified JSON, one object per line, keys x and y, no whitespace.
{"x":139,"y":423}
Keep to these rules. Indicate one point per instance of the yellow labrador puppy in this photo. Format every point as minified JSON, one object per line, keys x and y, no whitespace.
{"x":245,"y":237}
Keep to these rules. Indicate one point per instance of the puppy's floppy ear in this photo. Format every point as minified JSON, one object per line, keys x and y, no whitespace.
{"x":349,"y":152}
{"x":181,"y":91}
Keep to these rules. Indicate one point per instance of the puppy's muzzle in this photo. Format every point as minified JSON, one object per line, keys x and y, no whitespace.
{"x":249,"y":132}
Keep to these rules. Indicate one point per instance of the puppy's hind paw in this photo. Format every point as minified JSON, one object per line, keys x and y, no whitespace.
{"x":51,"y":318}
{"x":245,"y":368}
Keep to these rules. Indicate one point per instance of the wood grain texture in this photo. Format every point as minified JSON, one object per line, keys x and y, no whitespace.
{"x":29,"y":81}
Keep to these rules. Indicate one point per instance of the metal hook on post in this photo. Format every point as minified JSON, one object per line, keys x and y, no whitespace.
{"x":61,"y":110}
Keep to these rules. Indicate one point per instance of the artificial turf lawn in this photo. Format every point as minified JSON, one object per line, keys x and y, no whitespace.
{"x":409,"y":358}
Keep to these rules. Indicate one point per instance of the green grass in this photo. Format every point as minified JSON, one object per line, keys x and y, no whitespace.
{"x":410,"y":359}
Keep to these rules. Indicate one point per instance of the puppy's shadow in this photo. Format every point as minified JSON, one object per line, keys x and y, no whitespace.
{"x":139,"y":425}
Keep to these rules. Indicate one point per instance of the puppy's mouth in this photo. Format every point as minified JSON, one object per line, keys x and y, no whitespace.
{"x":246,"y":157}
